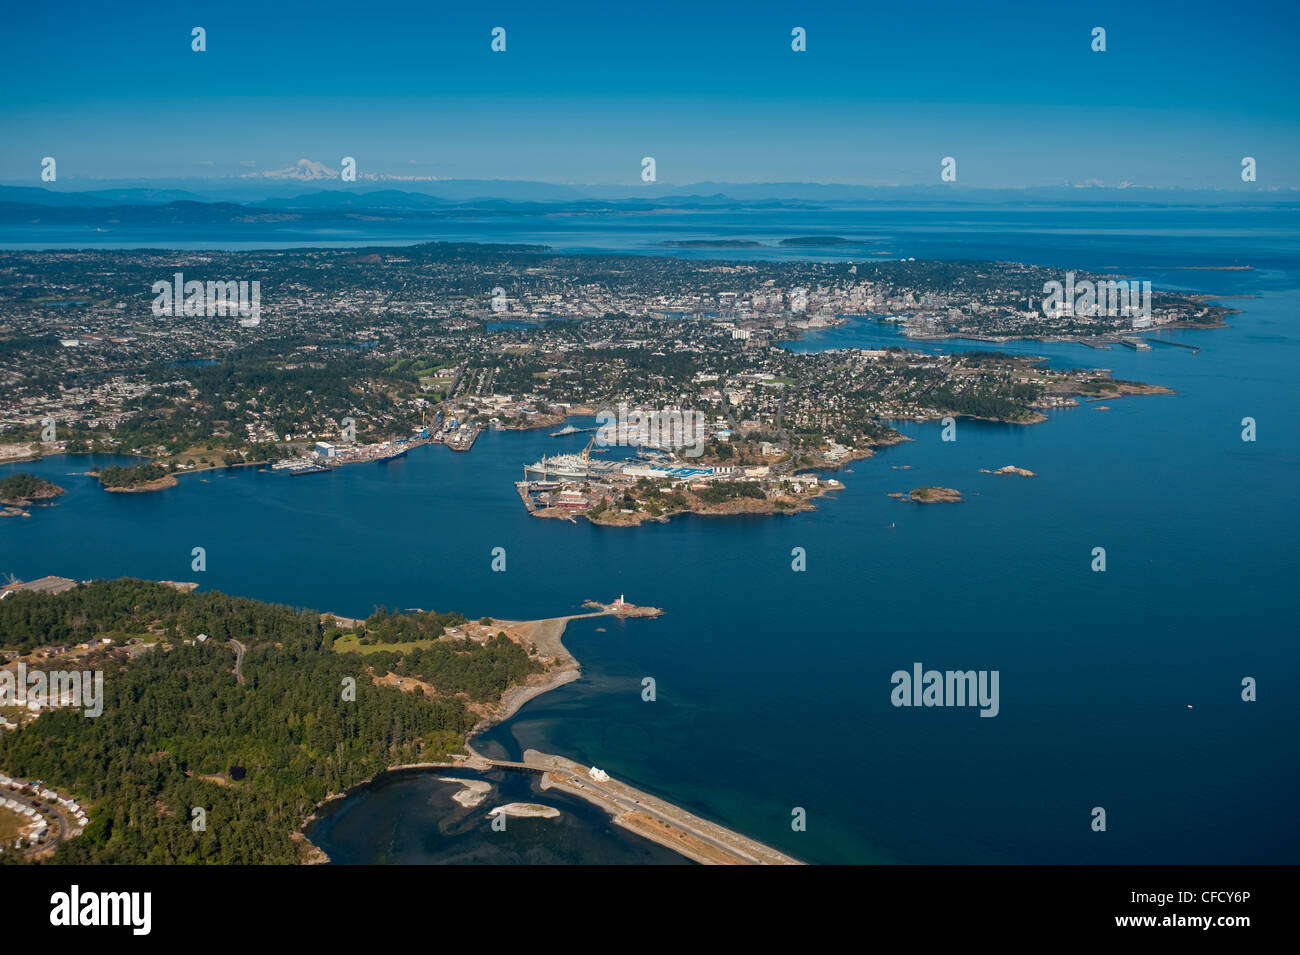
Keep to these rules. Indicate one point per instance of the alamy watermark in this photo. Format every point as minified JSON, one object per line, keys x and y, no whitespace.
{"x":670,"y":430}
{"x":37,"y":689}
{"x":128,"y":909}
{"x":1089,"y":299}
{"x":195,"y":299}
{"x":946,"y":688}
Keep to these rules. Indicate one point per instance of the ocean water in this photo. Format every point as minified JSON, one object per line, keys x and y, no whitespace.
{"x":773,"y":686}
{"x":1072,"y":236}
{"x":410,"y":818}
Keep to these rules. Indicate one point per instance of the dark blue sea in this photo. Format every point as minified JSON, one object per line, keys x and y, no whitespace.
{"x":1119,"y":690}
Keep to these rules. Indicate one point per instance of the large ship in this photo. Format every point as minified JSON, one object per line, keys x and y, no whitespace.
{"x":568,"y":467}
{"x":561,"y":467}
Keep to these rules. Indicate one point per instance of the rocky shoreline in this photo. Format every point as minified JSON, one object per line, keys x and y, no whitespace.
{"x":546,"y":636}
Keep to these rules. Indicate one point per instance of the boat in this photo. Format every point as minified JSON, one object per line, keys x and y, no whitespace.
{"x":567,"y":467}
{"x":561,"y":467}
{"x":296,"y":466}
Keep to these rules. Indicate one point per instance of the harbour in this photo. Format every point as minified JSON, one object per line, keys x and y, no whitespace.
{"x":773,"y":685}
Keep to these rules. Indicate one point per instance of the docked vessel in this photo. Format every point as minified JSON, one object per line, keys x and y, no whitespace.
{"x":568,"y":429}
{"x":296,"y":466}
{"x":569,"y":467}
{"x":561,"y":467}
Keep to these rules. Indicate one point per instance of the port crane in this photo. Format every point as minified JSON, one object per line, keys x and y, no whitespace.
{"x":585,"y":455}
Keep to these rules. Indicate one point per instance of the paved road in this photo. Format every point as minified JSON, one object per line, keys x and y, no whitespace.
{"x":725,"y":840}
{"x":636,"y":805}
{"x":57,"y":826}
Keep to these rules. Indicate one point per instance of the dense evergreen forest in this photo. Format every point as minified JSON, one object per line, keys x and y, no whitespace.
{"x":118,"y":476}
{"x":178,"y":731}
{"x":21,"y":486}
{"x":385,"y":626}
{"x":482,"y":674}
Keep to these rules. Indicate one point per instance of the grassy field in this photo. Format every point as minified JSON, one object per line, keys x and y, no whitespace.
{"x":10,"y":823}
{"x":351,"y":643}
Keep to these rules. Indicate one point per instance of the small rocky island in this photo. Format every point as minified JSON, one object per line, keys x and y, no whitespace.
{"x":137,"y":478}
{"x":1010,"y":469}
{"x":21,"y":490}
{"x":929,"y":495}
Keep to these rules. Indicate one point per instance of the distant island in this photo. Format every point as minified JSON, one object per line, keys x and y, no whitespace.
{"x":802,"y":240}
{"x":712,"y":243}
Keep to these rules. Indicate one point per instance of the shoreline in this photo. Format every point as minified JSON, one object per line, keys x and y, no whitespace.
{"x":641,"y":813}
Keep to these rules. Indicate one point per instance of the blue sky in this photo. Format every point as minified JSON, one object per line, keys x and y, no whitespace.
{"x":711,"y":90}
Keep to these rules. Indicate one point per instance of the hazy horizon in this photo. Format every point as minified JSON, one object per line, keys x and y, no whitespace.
{"x":1016,"y":97}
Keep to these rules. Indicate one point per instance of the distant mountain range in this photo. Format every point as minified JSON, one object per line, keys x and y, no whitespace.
{"x":220,"y":201}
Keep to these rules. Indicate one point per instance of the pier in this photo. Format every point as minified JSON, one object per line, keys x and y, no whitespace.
{"x":522,"y":488}
{"x":1160,"y":341}
{"x":463,"y":439}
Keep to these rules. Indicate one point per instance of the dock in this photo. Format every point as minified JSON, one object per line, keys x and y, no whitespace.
{"x":463,"y":439}
{"x":1160,"y":341}
{"x":522,"y":488}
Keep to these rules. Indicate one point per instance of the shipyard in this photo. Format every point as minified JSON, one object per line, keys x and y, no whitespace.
{"x":656,"y":483}
{"x":324,"y":455}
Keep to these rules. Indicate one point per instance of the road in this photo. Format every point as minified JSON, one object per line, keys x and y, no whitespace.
{"x":618,"y":798}
{"x":239,"y":659}
{"x":58,"y":826}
